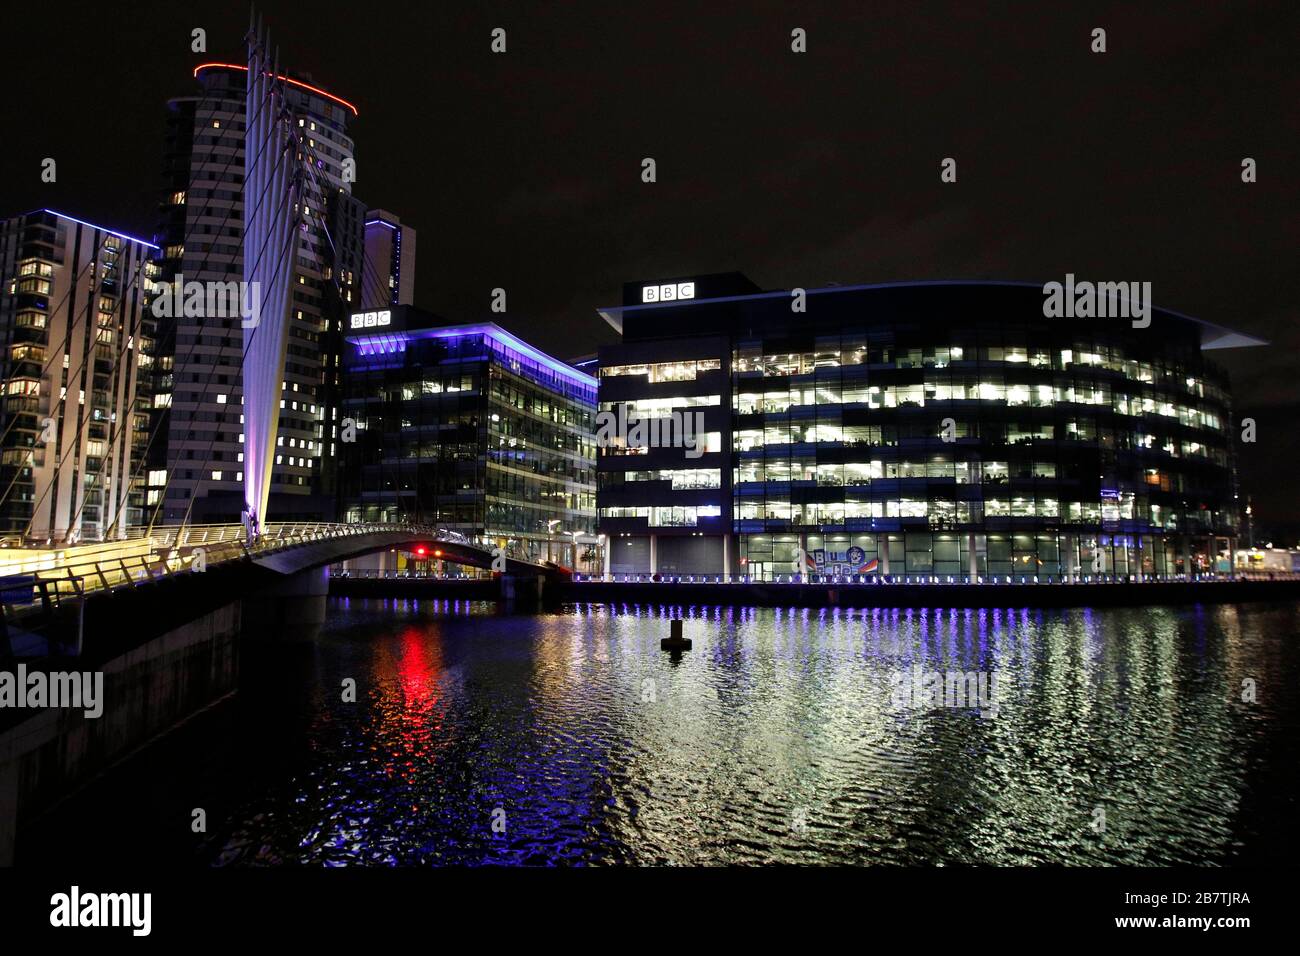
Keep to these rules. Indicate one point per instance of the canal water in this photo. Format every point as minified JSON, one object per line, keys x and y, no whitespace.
{"x":914,"y":736}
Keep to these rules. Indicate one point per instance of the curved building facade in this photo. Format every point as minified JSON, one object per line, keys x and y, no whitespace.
{"x":196,"y":474}
{"x":938,"y":430}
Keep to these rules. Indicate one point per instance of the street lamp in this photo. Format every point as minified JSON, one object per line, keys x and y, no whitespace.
{"x":574,"y":536}
{"x":550,"y":537}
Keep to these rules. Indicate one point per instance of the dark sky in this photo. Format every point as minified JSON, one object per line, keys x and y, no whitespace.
{"x":523,"y":170}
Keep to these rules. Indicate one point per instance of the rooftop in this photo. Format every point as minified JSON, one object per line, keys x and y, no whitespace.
{"x":395,"y":339}
{"x":287,"y":79}
{"x":1212,"y":336}
{"x":111,"y":232}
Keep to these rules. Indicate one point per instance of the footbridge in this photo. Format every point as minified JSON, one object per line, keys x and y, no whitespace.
{"x":60,"y":597}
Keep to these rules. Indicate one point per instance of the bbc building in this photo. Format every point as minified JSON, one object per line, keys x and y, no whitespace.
{"x":921,"y":431}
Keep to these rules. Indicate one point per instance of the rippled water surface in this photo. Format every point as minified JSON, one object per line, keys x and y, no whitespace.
{"x":1117,"y":736}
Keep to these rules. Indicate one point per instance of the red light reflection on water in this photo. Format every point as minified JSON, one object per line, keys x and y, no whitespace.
{"x":411,"y":709}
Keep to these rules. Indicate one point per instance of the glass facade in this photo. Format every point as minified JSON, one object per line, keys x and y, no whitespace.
{"x":936,"y":430}
{"x":470,"y":430}
{"x":79,"y":344}
{"x":662,"y":493}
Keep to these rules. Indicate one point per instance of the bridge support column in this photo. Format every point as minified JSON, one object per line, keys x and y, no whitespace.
{"x":294,"y":607}
{"x":522,"y":589}
{"x":8,"y":811}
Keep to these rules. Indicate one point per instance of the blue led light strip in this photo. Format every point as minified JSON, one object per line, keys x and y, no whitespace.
{"x":111,"y":232}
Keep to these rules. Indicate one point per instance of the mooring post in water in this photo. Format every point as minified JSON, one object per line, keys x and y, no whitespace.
{"x":675,"y":641}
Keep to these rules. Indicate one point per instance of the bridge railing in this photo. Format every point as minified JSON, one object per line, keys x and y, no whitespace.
{"x":178,"y":548}
{"x":76,"y":580}
{"x":173,"y":536}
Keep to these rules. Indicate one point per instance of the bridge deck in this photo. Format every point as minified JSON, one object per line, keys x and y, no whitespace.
{"x":56,"y":576}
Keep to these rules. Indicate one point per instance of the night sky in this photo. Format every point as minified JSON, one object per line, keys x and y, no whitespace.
{"x":522,"y":170}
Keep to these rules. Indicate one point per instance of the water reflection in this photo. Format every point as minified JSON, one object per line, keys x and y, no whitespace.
{"x":571,"y":738}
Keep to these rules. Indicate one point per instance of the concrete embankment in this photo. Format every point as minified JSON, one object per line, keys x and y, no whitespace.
{"x":165,"y":652}
{"x":47,"y":753}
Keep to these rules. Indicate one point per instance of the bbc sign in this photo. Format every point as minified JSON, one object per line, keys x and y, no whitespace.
{"x":371,"y":320}
{"x":668,"y":292}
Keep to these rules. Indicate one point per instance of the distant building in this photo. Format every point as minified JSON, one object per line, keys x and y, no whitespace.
{"x":390,"y":250}
{"x":74,"y":414}
{"x":469,"y":428}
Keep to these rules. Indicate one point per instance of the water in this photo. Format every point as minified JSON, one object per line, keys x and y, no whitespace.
{"x":1120,"y":737}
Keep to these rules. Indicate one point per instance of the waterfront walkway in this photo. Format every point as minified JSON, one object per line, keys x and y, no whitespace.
{"x":708,"y":590}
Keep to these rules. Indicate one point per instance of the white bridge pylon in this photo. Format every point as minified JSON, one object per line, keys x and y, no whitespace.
{"x":272,"y":213}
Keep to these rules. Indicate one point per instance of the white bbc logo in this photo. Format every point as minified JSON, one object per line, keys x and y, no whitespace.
{"x":668,"y":292}
{"x":371,"y":320}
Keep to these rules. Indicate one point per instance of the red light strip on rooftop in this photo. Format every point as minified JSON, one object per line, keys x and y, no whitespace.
{"x":306,"y":86}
